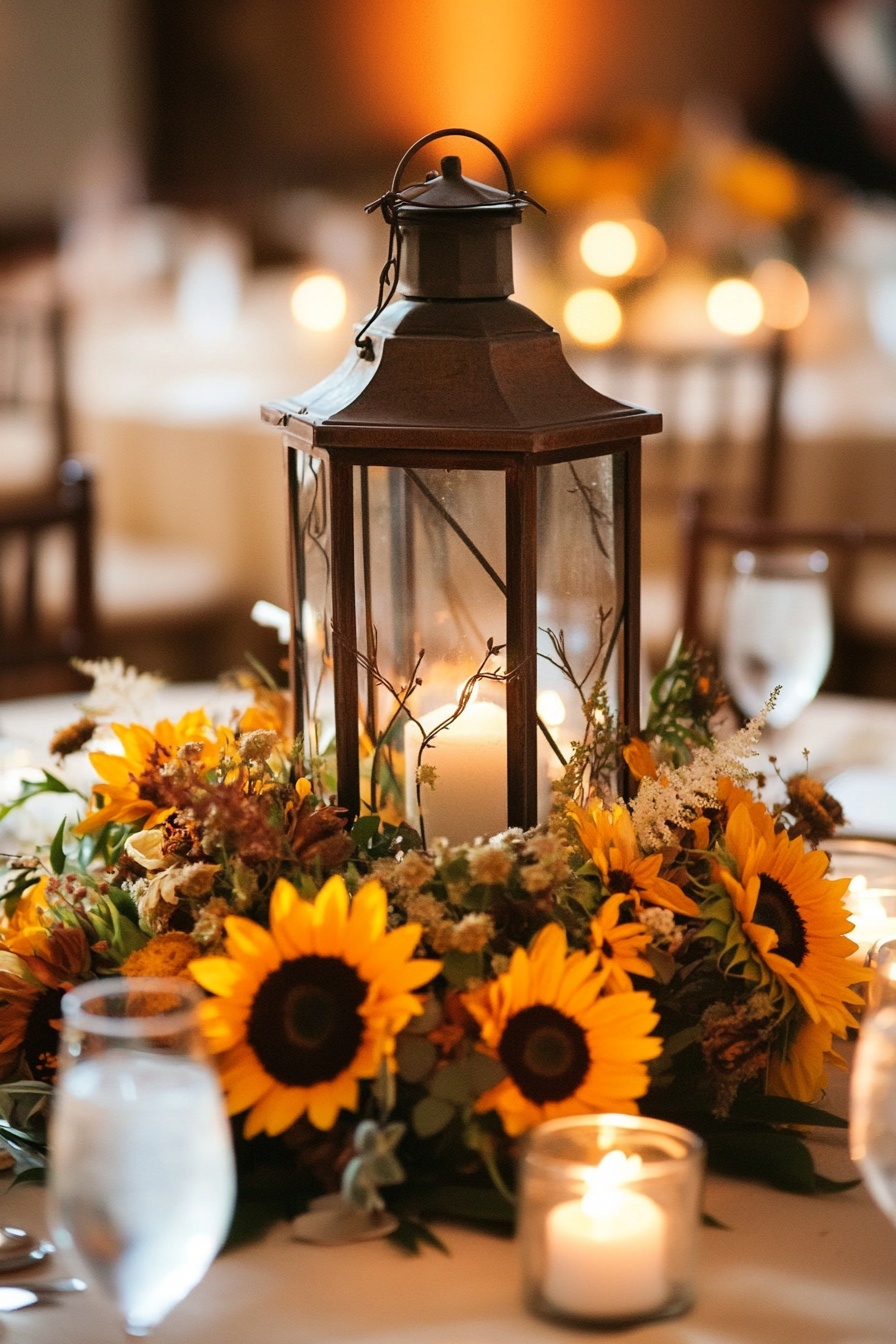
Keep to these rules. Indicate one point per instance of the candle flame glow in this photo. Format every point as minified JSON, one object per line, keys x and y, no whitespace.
{"x":614,"y":1171}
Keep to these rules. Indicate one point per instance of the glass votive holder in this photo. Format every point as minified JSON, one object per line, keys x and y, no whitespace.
{"x":871,"y":898}
{"x":608,"y":1219}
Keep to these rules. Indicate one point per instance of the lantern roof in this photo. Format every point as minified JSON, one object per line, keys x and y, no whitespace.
{"x":452,"y":191}
{"x":454,"y":366}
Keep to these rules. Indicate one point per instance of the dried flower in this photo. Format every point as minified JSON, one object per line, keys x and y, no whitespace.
{"x":818,"y":813}
{"x":489,"y":865}
{"x":472,"y":933}
{"x":257,"y":745}
{"x":73,"y":737}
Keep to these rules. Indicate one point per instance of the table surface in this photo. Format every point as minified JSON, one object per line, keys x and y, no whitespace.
{"x":806,"y":1270}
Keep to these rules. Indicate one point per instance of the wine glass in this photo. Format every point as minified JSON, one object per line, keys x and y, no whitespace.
{"x":142,"y":1174}
{"x":777,"y":631}
{"x":872,"y":1107}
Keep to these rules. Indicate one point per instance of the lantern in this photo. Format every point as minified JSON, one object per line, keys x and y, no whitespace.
{"x":464,"y":521}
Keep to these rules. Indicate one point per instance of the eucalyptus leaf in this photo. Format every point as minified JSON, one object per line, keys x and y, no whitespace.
{"x":415,"y":1057}
{"x":430,"y":1116}
{"x":459,"y":968}
{"x":485,"y":1072}
{"x":454,"y":1083}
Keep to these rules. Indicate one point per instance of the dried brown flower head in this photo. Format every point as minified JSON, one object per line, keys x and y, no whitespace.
{"x":73,"y":737}
{"x":735,"y":1044}
{"x":818,"y":813}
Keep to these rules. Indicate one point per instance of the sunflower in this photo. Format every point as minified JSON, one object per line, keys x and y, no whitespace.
{"x":129,"y":785}
{"x":608,"y":837}
{"x":800,"y":1070}
{"x":793,"y":919}
{"x":732,"y":796}
{"x":567,"y":1049}
{"x":619,"y":946}
{"x":37,"y":966}
{"x":306,"y":1010}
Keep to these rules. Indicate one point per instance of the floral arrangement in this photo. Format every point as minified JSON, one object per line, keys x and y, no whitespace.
{"x":389,"y":1020}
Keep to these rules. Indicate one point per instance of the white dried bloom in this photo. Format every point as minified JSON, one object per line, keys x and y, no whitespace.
{"x":676,"y":796}
{"x":120,"y":692}
{"x":660,"y":922}
{"x":145,"y":848}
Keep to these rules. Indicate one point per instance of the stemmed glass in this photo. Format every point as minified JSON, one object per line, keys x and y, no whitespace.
{"x":777,"y":631}
{"x":872,"y":1108}
{"x":142,"y":1175}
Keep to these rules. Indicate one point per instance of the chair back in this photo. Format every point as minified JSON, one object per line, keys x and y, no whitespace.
{"x":47,"y":602}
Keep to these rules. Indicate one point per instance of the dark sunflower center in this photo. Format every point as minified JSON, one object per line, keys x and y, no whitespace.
{"x":304,"y":1025}
{"x":619,"y":880}
{"x":775,"y":907}
{"x":545,"y":1052}
{"x":41,"y":1041}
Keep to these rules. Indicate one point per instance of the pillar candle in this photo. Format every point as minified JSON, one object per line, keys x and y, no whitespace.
{"x":606,"y":1253}
{"x":469,"y":797}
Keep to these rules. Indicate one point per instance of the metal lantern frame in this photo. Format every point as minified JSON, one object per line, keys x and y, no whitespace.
{"x":454,"y":376}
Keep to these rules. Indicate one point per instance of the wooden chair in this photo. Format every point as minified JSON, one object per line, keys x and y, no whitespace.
{"x":864,"y":630}
{"x":722,"y":423}
{"x":47,"y":603}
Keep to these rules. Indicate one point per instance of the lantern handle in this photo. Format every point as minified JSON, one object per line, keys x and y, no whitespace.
{"x":388,"y":282}
{"x":455,"y":130}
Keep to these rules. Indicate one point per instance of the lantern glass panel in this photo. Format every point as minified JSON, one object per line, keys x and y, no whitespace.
{"x":429,"y":574}
{"x":313,"y":609}
{"x":579,"y":604}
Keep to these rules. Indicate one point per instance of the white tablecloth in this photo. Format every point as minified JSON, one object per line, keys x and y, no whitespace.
{"x":789,"y":1269}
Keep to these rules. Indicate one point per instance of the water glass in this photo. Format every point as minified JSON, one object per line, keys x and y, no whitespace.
{"x":142,"y":1176}
{"x":777,"y":631}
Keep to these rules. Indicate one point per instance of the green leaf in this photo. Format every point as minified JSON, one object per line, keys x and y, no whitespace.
{"x":481,"y":1204}
{"x":415,"y":1057}
{"x":431,"y":1115}
{"x":825,"y":1186}
{"x":30,"y":1176}
{"x":411,"y":1232}
{"x":460,"y":967}
{"x":251,"y":1219}
{"x":453,"y":1083}
{"x":57,"y":849}
{"x":365,"y":831}
{"x":30,"y":788}
{"x":485,"y":1072}
{"x":777,"y":1156}
{"x":784,"y":1111}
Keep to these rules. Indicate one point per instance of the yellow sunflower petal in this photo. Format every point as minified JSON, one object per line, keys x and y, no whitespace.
{"x":330,"y":916}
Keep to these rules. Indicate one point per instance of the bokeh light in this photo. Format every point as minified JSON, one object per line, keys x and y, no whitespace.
{"x":734,"y":307}
{"x":319,"y":302}
{"x":550,"y":708}
{"x":784,"y":293}
{"x":650,"y":244}
{"x":593,"y":317}
{"x":609,"y":248}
